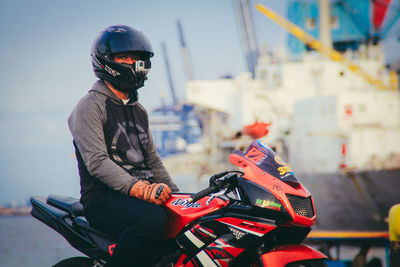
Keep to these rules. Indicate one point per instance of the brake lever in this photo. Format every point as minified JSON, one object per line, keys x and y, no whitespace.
{"x":212,"y":196}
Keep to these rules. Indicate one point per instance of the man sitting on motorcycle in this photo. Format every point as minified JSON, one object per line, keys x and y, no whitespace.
{"x":123,"y":181}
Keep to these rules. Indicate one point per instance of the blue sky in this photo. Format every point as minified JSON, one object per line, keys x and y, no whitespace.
{"x":45,"y":69}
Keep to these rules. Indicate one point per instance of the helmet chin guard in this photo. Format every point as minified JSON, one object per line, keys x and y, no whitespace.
{"x":118,"y":39}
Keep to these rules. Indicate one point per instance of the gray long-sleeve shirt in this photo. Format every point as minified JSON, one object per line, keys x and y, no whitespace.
{"x":113,"y":144}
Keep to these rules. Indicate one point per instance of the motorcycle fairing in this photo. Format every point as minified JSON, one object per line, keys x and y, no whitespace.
{"x":196,"y":237}
{"x":216,"y":242}
{"x":218,"y":253}
{"x":265,"y":169}
{"x":181,"y":212}
{"x":244,"y":227}
{"x":283,"y":255}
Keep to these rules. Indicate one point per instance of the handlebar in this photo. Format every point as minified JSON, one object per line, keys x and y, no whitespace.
{"x":202,"y":193}
{"x":215,"y":185}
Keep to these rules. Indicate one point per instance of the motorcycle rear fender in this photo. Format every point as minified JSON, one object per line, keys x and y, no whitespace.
{"x":286,"y":254}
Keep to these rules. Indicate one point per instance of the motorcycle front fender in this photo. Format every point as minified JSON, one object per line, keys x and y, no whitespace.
{"x":283,"y":255}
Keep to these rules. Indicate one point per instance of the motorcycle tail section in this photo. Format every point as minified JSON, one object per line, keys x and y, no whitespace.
{"x":60,"y":214}
{"x":54,"y":218}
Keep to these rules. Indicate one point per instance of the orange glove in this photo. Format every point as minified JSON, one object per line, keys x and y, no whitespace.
{"x":156,"y":193}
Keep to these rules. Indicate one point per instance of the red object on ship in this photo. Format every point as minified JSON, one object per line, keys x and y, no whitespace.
{"x":257,"y":129}
{"x":380,"y":9}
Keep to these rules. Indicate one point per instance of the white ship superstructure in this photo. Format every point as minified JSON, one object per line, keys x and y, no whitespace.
{"x":316,"y":106}
{"x":324,"y":116}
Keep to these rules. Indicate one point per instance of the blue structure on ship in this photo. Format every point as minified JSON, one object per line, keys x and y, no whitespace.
{"x":350,"y":21}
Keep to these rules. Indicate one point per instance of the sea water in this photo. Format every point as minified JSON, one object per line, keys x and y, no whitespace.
{"x":27,"y":242}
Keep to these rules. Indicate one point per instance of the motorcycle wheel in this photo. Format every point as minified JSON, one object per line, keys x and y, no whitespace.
{"x":75,"y":262}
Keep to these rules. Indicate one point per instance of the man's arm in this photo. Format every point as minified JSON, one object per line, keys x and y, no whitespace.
{"x":86,"y":125}
{"x":160,"y":173}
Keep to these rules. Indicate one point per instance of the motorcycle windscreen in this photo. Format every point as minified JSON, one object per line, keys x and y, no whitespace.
{"x":267,"y":160}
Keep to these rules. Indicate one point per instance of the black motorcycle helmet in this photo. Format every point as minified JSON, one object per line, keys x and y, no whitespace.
{"x":118,"y":39}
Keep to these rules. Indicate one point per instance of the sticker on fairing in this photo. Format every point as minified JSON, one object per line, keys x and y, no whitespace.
{"x":284,"y":170}
{"x":186,"y":204}
{"x":256,"y":156}
{"x":268,"y":204}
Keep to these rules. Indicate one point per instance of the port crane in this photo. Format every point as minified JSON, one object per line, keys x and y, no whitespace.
{"x":324,"y":49}
{"x":176,"y":122}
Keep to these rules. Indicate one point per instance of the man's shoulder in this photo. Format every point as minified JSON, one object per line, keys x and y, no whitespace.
{"x":98,"y":93}
{"x":89,"y":101}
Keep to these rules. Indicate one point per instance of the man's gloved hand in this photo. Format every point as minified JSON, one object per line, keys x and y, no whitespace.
{"x":156,"y":193}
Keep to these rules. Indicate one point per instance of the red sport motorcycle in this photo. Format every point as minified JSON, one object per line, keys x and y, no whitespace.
{"x":257,"y":217}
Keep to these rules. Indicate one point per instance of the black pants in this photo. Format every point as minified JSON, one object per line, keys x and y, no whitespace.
{"x":137,"y":225}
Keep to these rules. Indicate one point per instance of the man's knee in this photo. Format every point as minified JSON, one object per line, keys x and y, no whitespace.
{"x":155,"y":220}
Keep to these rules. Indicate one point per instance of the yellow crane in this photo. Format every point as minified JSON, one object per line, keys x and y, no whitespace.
{"x":331,"y":53}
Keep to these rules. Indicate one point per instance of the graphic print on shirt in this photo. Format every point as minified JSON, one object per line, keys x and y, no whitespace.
{"x":132,"y":148}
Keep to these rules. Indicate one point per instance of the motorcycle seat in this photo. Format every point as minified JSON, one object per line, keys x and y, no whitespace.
{"x":67,"y":204}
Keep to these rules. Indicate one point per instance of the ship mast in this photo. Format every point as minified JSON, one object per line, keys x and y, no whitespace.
{"x":325,"y":25}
